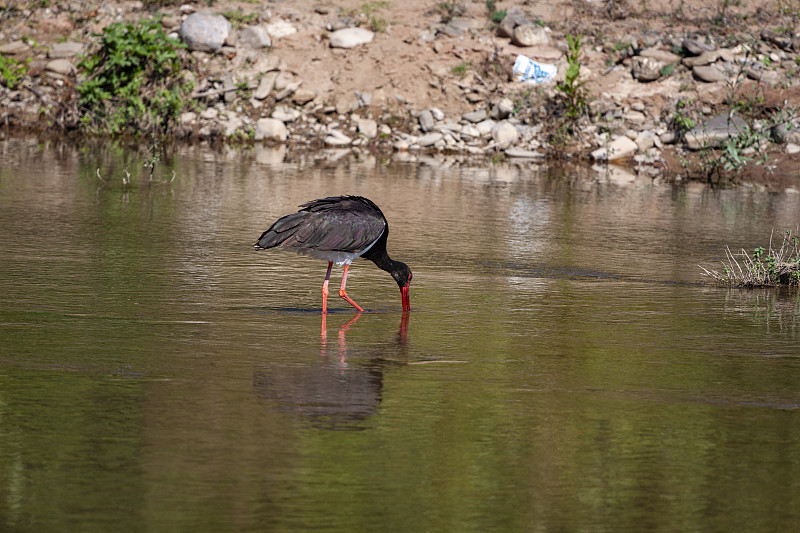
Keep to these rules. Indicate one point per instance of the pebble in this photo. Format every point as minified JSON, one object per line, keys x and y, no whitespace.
{"x":350,"y":37}
{"x":205,"y":32}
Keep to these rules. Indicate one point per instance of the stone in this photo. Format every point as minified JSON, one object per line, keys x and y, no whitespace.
{"x":666,"y":57}
{"x":228,"y":85}
{"x":255,"y":37}
{"x":530,"y":35}
{"x":485,"y":127}
{"x":475,"y":116}
{"x":469,"y":132}
{"x":708,"y":73}
{"x":619,"y":148}
{"x":337,"y":138}
{"x":781,"y":40}
{"x":457,"y":26}
{"x":504,"y":133}
{"x":210,"y":113}
{"x":280,"y":28}
{"x":367,"y":127}
{"x":430,"y":139}
{"x":268,"y":63}
{"x":65,"y":50}
{"x":792,"y":148}
{"x":426,"y":121}
{"x":636,"y":118}
{"x":271,"y":129}
{"x":762,"y":75}
{"x":350,"y":37}
{"x":302,"y":96}
{"x":706,"y":58}
{"x":13,"y":48}
{"x":503,"y":109}
{"x":646,"y":68}
{"x":265,"y":86}
{"x":188,"y":117}
{"x":60,"y":66}
{"x":437,"y":113}
{"x":285,"y":114}
{"x":514,"y":17}
{"x":696,"y":47}
{"x":205,"y":32}
{"x":645,"y":140}
{"x":714,"y":132}
{"x":521,"y":153}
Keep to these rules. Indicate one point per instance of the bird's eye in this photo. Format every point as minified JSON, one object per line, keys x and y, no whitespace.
{"x":409,"y":277}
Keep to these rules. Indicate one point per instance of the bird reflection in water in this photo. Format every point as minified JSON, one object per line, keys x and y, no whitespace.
{"x":334,"y":393}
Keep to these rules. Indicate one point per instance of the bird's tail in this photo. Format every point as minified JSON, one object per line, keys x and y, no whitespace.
{"x":282,"y":229}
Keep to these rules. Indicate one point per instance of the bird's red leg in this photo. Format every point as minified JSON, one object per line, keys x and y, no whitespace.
{"x":343,"y":293}
{"x":325,"y":289}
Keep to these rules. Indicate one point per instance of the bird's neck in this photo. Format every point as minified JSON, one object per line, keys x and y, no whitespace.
{"x":380,"y":257}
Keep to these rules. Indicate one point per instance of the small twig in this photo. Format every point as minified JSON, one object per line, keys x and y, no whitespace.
{"x":173,"y":176}
{"x":101,"y":177}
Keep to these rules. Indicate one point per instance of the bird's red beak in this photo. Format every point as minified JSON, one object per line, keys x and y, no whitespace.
{"x":404,"y":290}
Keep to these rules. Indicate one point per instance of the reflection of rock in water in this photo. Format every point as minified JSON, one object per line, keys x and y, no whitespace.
{"x":330,"y":395}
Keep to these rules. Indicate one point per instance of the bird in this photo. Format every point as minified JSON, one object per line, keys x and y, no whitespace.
{"x":339,"y":229}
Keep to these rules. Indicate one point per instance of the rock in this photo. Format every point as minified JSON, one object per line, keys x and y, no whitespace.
{"x":337,"y":138}
{"x":637,"y":118}
{"x":255,"y":37}
{"x":65,"y":50}
{"x":792,"y":148}
{"x":228,"y":85}
{"x":303,"y":96}
{"x":426,"y":121}
{"x":232,"y":125}
{"x":210,"y":113}
{"x":514,"y":17}
{"x":437,"y":113}
{"x":350,"y":37}
{"x":285,"y":114}
{"x":188,"y":117}
{"x":503,"y":109}
{"x":504,"y":133}
{"x":715,"y":131}
{"x":708,"y":73}
{"x":60,"y":66}
{"x":668,"y":58}
{"x":645,"y":140}
{"x":762,"y":75}
{"x":271,"y":129}
{"x":696,"y":47}
{"x":457,"y":26}
{"x":205,"y":32}
{"x":646,"y":68}
{"x":523,"y":154}
{"x":367,"y":127}
{"x":619,"y":148}
{"x":13,"y":48}
{"x":280,"y":28}
{"x":706,"y":58}
{"x":530,"y":35}
{"x":265,"y":86}
{"x":268,"y":64}
{"x":781,"y":40}
{"x":475,"y":116}
{"x":469,"y":132}
{"x":430,"y":139}
{"x":287,"y":91}
{"x":485,"y":127}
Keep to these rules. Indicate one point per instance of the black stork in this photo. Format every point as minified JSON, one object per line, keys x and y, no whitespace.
{"x":339,"y":229}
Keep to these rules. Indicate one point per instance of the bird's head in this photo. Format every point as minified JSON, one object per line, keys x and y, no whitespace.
{"x":402,"y":275}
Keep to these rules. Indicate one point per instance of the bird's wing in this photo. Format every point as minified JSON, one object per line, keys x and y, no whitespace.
{"x":332,"y":224}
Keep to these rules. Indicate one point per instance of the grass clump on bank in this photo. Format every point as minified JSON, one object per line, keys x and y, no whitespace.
{"x":764,"y":267}
{"x":132,"y":80}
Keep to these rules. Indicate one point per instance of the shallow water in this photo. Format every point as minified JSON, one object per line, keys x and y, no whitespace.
{"x":563,"y":366}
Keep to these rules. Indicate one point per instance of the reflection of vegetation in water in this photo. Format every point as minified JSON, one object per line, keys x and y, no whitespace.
{"x":773,"y":309}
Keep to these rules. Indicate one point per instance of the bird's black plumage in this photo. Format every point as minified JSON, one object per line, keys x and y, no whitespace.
{"x":335,"y":224}
{"x":338,"y":229}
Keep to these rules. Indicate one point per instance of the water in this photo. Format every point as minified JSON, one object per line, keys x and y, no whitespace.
{"x":562,"y":368}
